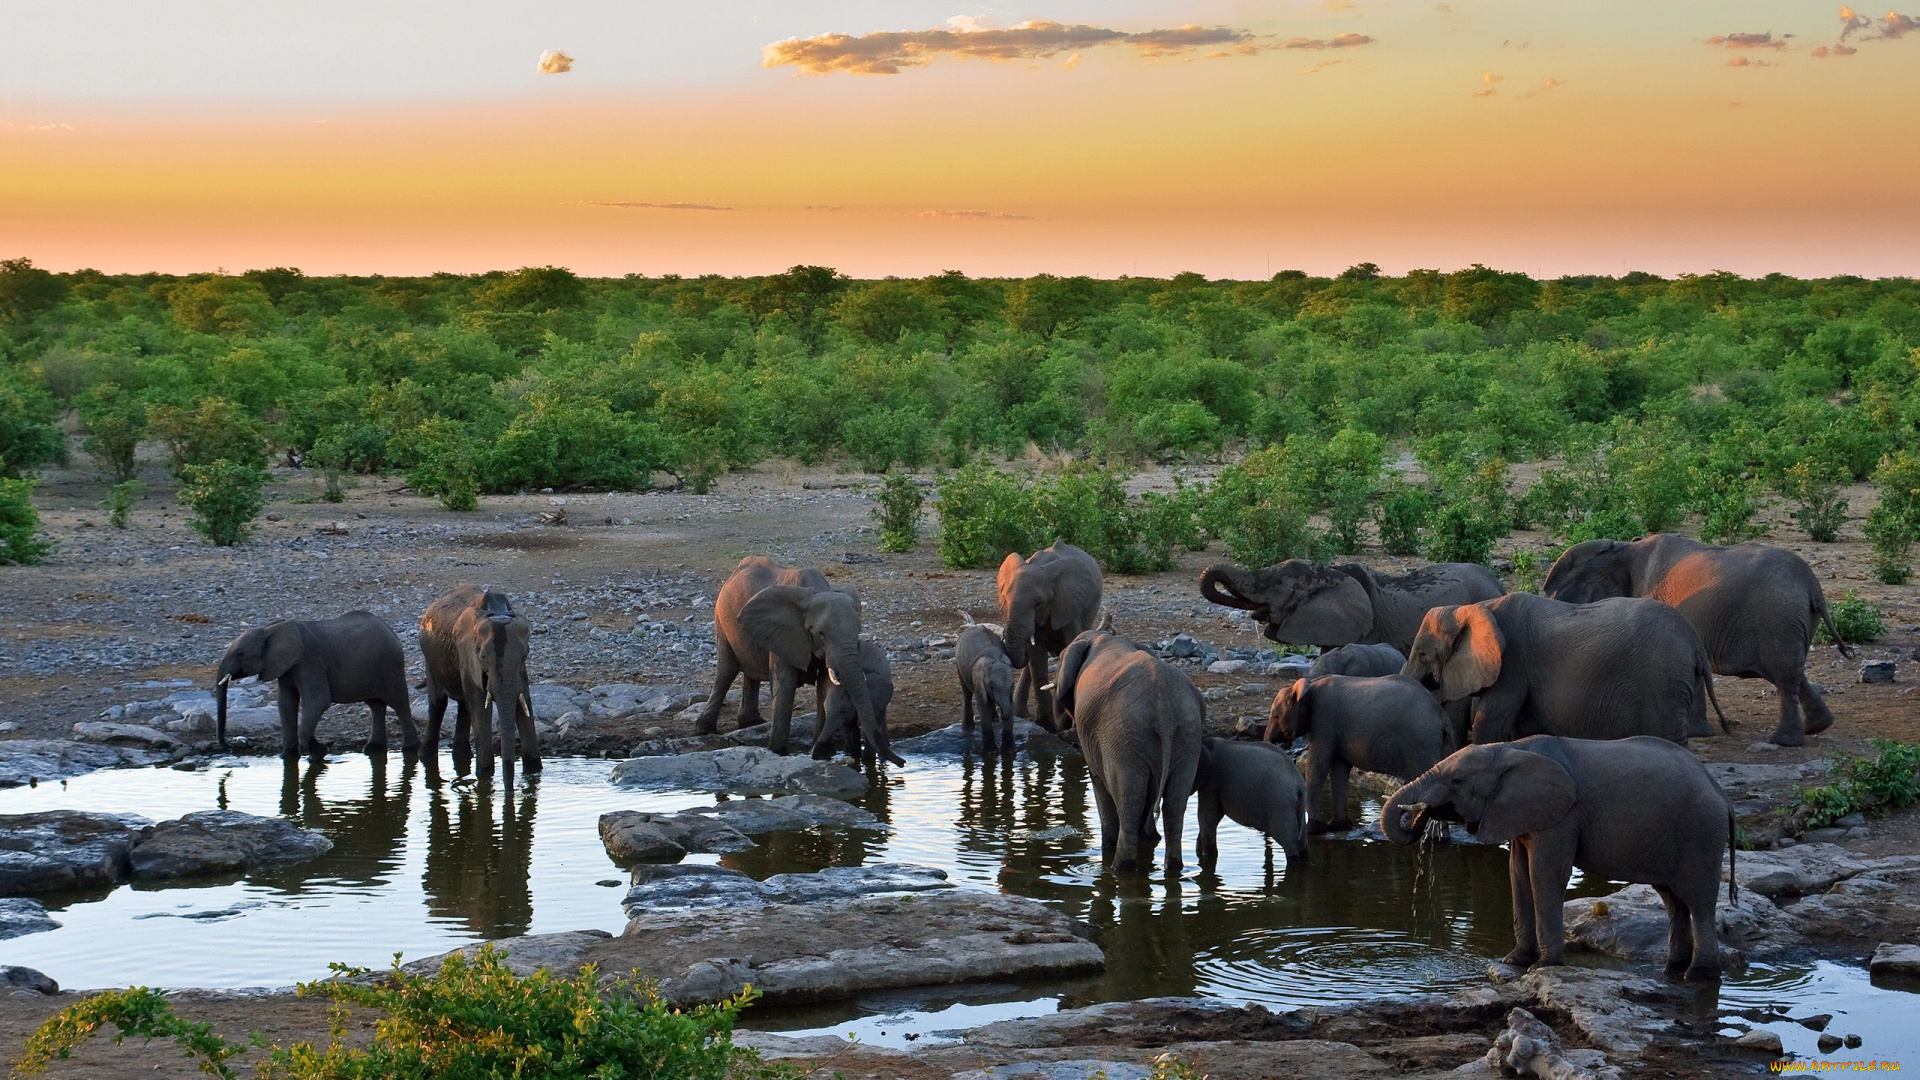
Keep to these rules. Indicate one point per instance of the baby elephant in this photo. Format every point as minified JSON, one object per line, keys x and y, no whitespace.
{"x":986,"y":685}
{"x":1640,"y":809}
{"x":1359,"y":660}
{"x":322,"y":662}
{"x":837,"y":715}
{"x":1386,"y":724}
{"x":1255,"y":784}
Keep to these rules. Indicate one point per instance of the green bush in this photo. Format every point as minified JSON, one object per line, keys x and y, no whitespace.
{"x":1472,"y":509}
{"x":1814,"y":491}
{"x":213,"y":430}
{"x":448,"y":468}
{"x":897,"y":512}
{"x":120,"y":500}
{"x":20,"y":540}
{"x":1890,"y":535}
{"x":1880,"y":784}
{"x":883,"y":438}
{"x":1854,"y":617}
{"x":115,"y":421}
{"x":574,"y":444}
{"x":225,"y":498}
{"x":1403,"y":514}
{"x":471,"y":1020}
{"x":984,"y":516}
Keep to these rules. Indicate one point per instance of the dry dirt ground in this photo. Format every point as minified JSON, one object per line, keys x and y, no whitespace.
{"x":113,"y":608}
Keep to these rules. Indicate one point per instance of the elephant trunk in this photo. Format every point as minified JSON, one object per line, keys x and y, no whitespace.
{"x":1019,"y":632}
{"x":1404,"y":816}
{"x":853,"y":682}
{"x":224,"y":677}
{"x":1238,"y":586}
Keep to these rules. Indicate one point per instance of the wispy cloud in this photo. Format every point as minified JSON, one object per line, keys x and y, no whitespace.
{"x":37,"y":127}
{"x":1748,"y":61}
{"x":825,"y":208}
{"x":1852,"y":22}
{"x":1834,"y":50}
{"x":890,"y":52}
{"x":1320,"y":67}
{"x":1547,"y":86}
{"x":1896,"y":25}
{"x":973,"y":215}
{"x":1338,"y":41}
{"x":1489,"y":84}
{"x":555,"y":62}
{"x":621,"y":205}
{"x":1750,"y":41}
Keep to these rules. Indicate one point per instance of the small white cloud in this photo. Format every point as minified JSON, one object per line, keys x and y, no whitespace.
{"x":555,"y":62}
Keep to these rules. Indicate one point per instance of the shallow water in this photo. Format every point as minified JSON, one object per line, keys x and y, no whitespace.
{"x":423,"y":867}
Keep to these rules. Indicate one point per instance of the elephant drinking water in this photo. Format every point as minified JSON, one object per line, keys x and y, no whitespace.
{"x":476,"y":652}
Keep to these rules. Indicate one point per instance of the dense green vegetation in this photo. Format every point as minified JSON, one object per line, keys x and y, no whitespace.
{"x":1881,"y":784}
{"x":1655,"y":402}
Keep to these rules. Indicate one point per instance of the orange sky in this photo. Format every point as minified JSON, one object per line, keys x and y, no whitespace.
{"x":1616,"y":139}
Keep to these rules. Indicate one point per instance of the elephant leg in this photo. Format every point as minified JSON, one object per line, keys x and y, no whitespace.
{"x":1173,"y":813}
{"x":1818,"y":717}
{"x":462,"y":739}
{"x":1792,"y":730}
{"x":725,"y":667}
{"x":436,"y":716}
{"x":1316,"y":787}
{"x":1341,"y":822}
{"x":289,"y":702}
{"x":401,"y":703}
{"x":1136,"y":825}
{"x":1109,"y":821}
{"x":377,"y":728}
{"x":1679,"y":931}
{"x":784,"y":687}
{"x":482,"y":736}
{"x":1042,"y":697}
{"x":1206,"y":843}
{"x":1493,"y":717}
{"x":749,"y":704}
{"x":966,"y":709}
{"x":1021,"y":687}
{"x":1706,"y":935}
{"x":1526,"y":946}
{"x":311,"y":710}
{"x":1549,"y":868}
{"x":1698,"y":726}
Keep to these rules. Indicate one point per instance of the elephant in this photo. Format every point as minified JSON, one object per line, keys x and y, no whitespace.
{"x":1140,"y":721}
{"x":1386,"y":724}
{"x":475,"y":647}
{"x":1534,"y":666}
{"x":1045,"y":602}
{"x":1754,"y":607}
{"x":786,"y":625}
{"x":1639,"y":810}
{"x":837,"y":714}
{"x":986,"y":685}
{"x":1256,"y":785}
{"x":322,"y":662}
{"x":1308,"y":603}
{"x":1359,"y":660}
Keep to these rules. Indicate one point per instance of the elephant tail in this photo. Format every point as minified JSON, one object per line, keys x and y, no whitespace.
{"x":1733,"y":860}
{"x":1706,"y":680}
{"x":1820,"y":611}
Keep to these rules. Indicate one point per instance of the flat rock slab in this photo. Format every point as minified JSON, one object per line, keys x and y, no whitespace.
{"x":20,"y":916}
{"x":955,"y":740}
{"x":1801,"y":870}
{"x":824,"y":952}
{"x":799,"y":738}
{"x":658,"y":889}
{"x":26,"y":978}
{"x":1077,"y":1069}
{"x":134,"y":736}
{"x":1890,"y":959}
{"x":1632,"y":923}
{"x":636,"y":836}
{"x":29,"y":761}
{"x":741,"y":770}
{"x":222,"y":842}
{"x":63,"y":850}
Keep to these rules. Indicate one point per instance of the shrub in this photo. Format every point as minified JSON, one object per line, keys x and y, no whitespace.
{"x":120,"y":500}
{"x":20,"y":540}
{"x":897,"y":512}
{"x":29,"y":433}
{"x":1877,"y":785}
{"x":1473,"y":509}
{"x":115,"y":422}
{"x":448,"y":468}
{"x":1403,"y":513}
{"x":574,"y":444}
{"x":213,"y":430}
{"x":225,"y":497}
{"x":883,"y":437}
{"x":1814,"y":491}
{"x":1890,"y":535}
{"x":471,"y":1019}
{"x":1855,"y":618}
{"x":1272,"y":529}
{"x":984,"y":515}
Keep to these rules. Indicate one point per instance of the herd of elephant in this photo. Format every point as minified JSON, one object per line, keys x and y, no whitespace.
{"x":1555,"y":723}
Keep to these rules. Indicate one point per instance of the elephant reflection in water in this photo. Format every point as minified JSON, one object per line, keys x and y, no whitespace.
{"x":480,"y":858}
{"x":1004,"y":800}
{"x":369,"y":834}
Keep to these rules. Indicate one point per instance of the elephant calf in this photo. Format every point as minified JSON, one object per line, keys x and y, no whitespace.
{"x":986,"y":685}
{"x":1640,"y":810}
{"x":1258,"y":786}
{"x":476,"y":646}
{"x":318,"y":663}
{"x":1362,"y":660}
{"x":1385,"y":724}
{"x":837,"y":716}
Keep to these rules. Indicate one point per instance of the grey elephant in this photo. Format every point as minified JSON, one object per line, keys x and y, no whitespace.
{"x":1359,"y":660}
{"x":1385,"y":724}
{"x":1253,"y":784}
{"x":318,"y":663}
{"x":1045,"y":602}
{"x":1534,"y":666}
{"x":786,"y":625}
{"x":475,"y":646}
{"x":1639,"y":810}
{"x":1754,"y":606}
{"x":1307,"y":603}
{"x":986,"y":686}
{"x":838,"y":721}
{"x":1140,"y":721}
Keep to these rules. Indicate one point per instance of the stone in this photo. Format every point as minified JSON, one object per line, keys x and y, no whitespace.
{"x":136,"y":736}
{"x":553,"y":699}
{"x":20,"y":916}
{"x":631,"y":836}
{"x":1076,"y":1069}
{"x":29,"y":761}
{"x":26,"y":978}
{"x":1853,"y":1042}
{"x":683,"y":888}
{"x":1527,"y":1047}
{"x":1851,"y":821}
{"x":196,"y":724}
{"x":1226,"y":667}
{"x":222,"y":842}
{"x":64,"y":850}
{"x":1815,"y":1023}
{"x":1891,"y":959}
{"x":741,"y":770}
{"x":1611,"y":1009}
{"x":1179,"y":647}
{"x":1802,"y":870}
{"x":1876,"y":671}
{"x":1829,"y":1043}
{"x":1760,"y":1039}
{"x":1632,"y":923}
{"x":955,"y":740}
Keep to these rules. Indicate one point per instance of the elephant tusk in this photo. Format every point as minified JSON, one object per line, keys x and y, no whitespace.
{"x":1049,"y":687}
{"x":832,"y":677}
{"x":1410,"y":815}
{"x":526,"y":704}
{"x":224,"y":680}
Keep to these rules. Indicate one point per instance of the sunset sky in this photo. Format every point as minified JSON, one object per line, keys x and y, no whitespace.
{"x":905,"y":137}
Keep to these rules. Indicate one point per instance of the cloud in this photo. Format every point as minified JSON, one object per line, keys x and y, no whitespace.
{"x":1487,"y":84}
{"x":1337,"y":5}
{"x":555,"y":62}
{"x":1320,"y":67}
{"x":1443,"y":8}
{"x":1237,"y":50}
{"x":1548,"y":86}
{"x":888,"y":52}
{"x":1338,"y":41}
{"x":1851,"y":21}
{"x":1896,"y":25}
{"x":1747,"y":61}
{"x":38,"y":127}
{"x":1835,"y":50}
{"x":973,"y":215}
{"x":1750,"y":41}
{"x":825,"y":208}
{"x":659,"y":206}
{"x":1070,"y":62}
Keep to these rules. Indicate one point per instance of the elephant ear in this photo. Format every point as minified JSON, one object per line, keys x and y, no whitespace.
{"x":1473,"y":661}
{"x":1328,"y":607}
{"x":1009,"y":573}
{"x":1284,"y":718}
{"x":1534,"y":793}
{"x":282,"y":651}
{"x":1075,"y":599}
{"x":1071,"y":662}
{"x":852,"y":592}
{"x":776,"y":618}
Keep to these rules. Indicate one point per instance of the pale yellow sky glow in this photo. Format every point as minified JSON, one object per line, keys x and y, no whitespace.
{"x":1107,"y":139}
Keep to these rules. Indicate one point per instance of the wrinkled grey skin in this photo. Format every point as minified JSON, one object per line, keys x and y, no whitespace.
{"x":476,"y":648}
{"x":1359,"y":660}
{"x":1754,"y":607}
{"x":786,"y":625}
{"x":1639,"y":810}
{"x":1534,"y":666}
{"x":322,"y":662}
{"x":837,"y":722}
{"x":1307,"y":603}
{"x":1139,"y":720}
{"x":986,"y":686}
{"x":1385,"y":724}
{"x":1045,"y":602}
{"x":1255,"y":785}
